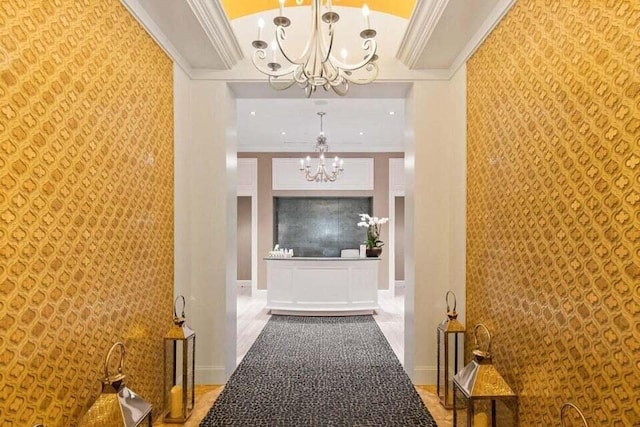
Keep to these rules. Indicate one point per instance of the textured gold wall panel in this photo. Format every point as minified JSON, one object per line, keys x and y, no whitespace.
{"x":86,"y":207}
{"x":553,"y":262}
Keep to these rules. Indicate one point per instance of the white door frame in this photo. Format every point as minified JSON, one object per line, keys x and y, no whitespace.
{"x":248,"y":187}
{"x":396,"y":189}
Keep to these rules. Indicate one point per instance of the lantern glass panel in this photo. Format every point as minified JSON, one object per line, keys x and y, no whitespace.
{"x":447,"y":367}
{"x":188,"y":375}
{"x":460,"y":408}
{"x":180,"y":389}
{"x":484,"y":412}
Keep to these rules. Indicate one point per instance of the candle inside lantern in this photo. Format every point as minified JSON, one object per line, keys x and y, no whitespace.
{"x":281,"y":7}
{"x":175,"y":406}
{"x":480,"y":420}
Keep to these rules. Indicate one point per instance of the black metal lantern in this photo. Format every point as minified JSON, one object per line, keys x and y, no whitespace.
{"x":480,"y":387}
{"x":564,"y":410}
{"x":179,"y":394}
{"x":450,"y":331}
{"x":117,"y":405}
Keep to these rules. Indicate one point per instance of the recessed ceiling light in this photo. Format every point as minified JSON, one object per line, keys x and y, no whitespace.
{"x":253,"y":113}
{"x":361,"y":133}
{"x":391,"y":113}
{"x":283,"y":133}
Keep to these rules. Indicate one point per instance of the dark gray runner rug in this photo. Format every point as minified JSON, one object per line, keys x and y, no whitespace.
{"x":319,"y":371}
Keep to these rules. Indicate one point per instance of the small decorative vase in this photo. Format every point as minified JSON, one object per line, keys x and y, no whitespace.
{"x":373,"y":252}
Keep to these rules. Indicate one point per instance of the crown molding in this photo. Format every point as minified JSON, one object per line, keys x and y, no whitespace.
{"x":140,"y":14}
{"x":424,"y":19}
{"x":493,"y":19}
{"x":303,"y":148}
{"x":218,"y":29}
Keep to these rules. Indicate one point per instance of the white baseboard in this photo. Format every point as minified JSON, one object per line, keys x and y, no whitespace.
{"x":262,"y":293}
{"x":424,"y":375}
{"x":244,"y":283}
{"x":210,"y":375}
{"x":399,"y":283}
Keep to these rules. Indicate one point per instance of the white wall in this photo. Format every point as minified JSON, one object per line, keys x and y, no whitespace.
{"x":435,"y":162}
{"x":205,"y":220}
{"x":205,"y":217}
{"x":182,"y":138}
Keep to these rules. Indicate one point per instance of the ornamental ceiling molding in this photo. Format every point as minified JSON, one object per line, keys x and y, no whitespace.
{"x":217,"y":27}
{"x":423,"y":21}
{"x":143,"y":17}
{"x":425,"y":18}
{"x":492,"y":20}
{"x":215,"y":24}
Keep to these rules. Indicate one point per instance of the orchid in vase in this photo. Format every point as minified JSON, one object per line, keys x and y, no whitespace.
{"x":374,"y":227}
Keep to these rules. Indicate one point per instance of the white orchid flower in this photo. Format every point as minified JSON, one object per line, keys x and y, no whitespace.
{"x":363,"y":224}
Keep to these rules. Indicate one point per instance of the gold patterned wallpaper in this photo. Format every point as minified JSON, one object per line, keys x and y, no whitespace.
{"x":86,"y":207}
{"x":553,"y":263}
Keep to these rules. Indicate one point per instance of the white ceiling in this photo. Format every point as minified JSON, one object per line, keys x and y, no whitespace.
{"x":456,"y":26}
{"x":298,"y":118}
{"x":438,"y":38}
{"x":174,"y":17}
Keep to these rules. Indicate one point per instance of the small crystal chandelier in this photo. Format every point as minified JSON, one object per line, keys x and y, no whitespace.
{"x":316,"y":66}
{"x":321,"y":174}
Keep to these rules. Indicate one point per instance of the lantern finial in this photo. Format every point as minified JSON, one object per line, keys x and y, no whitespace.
{"x":479,"y":354}
{"x":452,"y":314}
{"x":480,"y":380}
{"x":179,"y":320}
{"x":117,"y":405}
{"x":115,"y":381}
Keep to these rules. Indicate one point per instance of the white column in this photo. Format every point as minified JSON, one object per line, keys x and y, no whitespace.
{"x":435,"y":215}
{"x":182,"y":139}
{"x":206,"y":222}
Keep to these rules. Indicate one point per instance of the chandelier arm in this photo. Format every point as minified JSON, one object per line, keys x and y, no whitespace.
{"x":300,"y":77}
{"x":316,"y":66}
{"x":327,"y":55}
{"x":281,"y":37}
{"x":372,"y":68}
{"x":277,"y":86}
{"x":367,"y":45}
{"x":343,"y":91}
{"x":261,"y":54}
{"x":332,"y":70}
{"x":308,"y":90}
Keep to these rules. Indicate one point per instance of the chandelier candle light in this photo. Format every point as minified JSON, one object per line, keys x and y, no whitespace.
{"x":316,"y":66}
{"x":321,"y":174}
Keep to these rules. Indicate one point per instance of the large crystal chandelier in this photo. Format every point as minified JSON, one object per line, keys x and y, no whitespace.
{"x":321,"y":174}
{"x":316,"y":66}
